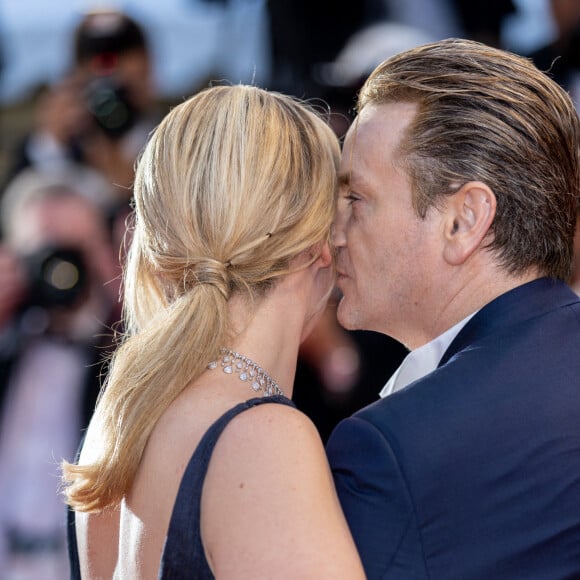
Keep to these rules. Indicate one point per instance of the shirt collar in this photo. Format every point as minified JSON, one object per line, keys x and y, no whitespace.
{"x":423,"y":360}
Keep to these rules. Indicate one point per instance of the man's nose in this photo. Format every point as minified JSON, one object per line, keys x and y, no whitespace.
{"x":338,"y":235}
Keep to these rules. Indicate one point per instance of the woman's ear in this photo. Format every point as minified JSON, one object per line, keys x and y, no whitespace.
{"x":325,"y":256}
{"x":319,"y":254}
{"x":469,"y":213}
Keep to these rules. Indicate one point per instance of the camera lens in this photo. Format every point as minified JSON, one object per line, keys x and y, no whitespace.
{"x":56,"y":277}
{"x":61,"y":274}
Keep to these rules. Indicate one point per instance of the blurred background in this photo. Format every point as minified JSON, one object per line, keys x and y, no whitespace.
{"x":82,"y":84}
{"x":274,"y":43}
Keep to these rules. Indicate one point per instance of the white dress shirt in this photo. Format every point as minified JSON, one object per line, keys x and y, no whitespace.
{"x":423,"y":360}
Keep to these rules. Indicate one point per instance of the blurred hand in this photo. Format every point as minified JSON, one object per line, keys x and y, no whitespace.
{"x":13,"y":287}
{"x":109,"y":157}
{"x":333,"y":353}
{"x":62,"y":112}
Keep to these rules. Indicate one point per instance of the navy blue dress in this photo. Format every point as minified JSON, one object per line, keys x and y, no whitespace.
{"x":183,"y":555}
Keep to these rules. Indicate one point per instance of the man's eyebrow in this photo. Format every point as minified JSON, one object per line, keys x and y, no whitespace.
{"x":344,"y":179}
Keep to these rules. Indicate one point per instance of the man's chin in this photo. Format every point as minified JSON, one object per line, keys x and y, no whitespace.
{"x":344,"y":315}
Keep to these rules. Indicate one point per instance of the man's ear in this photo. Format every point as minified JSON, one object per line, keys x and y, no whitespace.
{"x":469,"y":214}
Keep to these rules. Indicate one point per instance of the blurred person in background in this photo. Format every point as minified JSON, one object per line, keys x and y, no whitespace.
{"x":575,"y":278}
{"x":100,"y":114}
{"x":482,"y":20}
{"x":322,"y":27}
{"x":58,"y":298}
{"x":560,"y":59}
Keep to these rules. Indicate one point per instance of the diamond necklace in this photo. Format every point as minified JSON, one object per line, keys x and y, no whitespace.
{"x":233,"y":362}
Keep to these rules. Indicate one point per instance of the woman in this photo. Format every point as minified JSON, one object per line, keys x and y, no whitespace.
{"x":229,"y":264}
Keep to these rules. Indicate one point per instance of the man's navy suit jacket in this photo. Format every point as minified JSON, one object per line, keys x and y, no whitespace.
{"x":473,"y":472}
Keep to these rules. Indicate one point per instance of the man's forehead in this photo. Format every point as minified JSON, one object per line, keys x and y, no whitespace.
{"x":376,"y":133}
{"x":382,"y":120}
{"x":354,"y":159}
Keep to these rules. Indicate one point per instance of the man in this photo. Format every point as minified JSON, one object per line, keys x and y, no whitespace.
{"x":101,"y":112}
{"x":59,"y":274}
{"x":460,"y":182}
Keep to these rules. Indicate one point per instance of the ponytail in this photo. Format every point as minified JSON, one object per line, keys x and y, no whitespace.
{"x":148,"y":371}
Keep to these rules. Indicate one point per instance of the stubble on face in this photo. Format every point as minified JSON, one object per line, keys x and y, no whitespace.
{"x":383,"y":245}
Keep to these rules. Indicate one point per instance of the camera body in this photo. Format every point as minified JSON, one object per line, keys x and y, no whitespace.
{"x":110,"y":106}
{"x":103,"y":41}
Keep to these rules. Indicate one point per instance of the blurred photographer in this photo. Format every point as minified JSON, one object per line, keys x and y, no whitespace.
{"x":59,"y":302}
{"x":101,"y":113}
{"x":561,"y":56}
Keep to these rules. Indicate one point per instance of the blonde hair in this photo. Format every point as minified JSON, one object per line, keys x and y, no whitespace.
{"x":234,"y":183}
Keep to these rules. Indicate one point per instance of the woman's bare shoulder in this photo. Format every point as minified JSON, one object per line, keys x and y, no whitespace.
{"x":274,"y":416}
{"x":269,"y":478}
